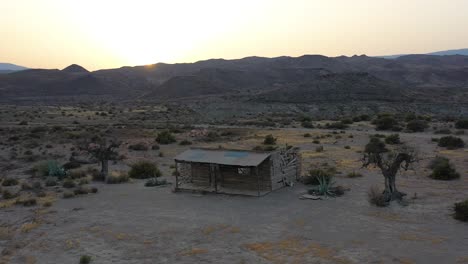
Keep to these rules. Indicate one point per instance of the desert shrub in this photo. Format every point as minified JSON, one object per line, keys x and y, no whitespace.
{"x":138,"y":147}
{"x":393,"y":139}
{"x":161,"y":154}
{"x":69,"y":183}
{"x":26,"y":186}
{"x":81,"y":191}
{"x":40,"y":170}
{"x":265,"y":148}
{"x":95,"y":174}
{"x":155,"y":147}
{"x":155,"y":182}
{"x":117,"y":177}
{"x":185,"y":142}
{"x":445,"y":131}
{"x":316,"y":141}
{"x":347,"y":147}
{"x":460,"y":132}
{"x":144,"y":170}
{"x":27,"y":202}
{"x":417,"y":125}
{"x":319,"y":149}
{"x":336,"y":125}
{"x":313,"y":177}
{"x":451,"y":142}
{"x":165,"y":137}
{"x":23,"y":123}
{"x":385,"y":122}
{"x":375,"y":145}
{"x":55,"y":170}
{"x":9,"y":182}
{"x":442,"y":169}
{"x":77,"y":174}
{"x":68,"y":194}
{"x":71,"y":165}
{"x":6,"y":194}
{"x":269,"y":140}
{"x":307,"y":124}
{"x":376,"y":197}
{"x":94,"y":190}
{"x":462,"y":124}
{"x":354,"y":175}
{"x":461,"y":211}
{"x":83,"y":181}
{"x":51,"y":181}
{"x":85,"y":259}
{"x":307,"y":135}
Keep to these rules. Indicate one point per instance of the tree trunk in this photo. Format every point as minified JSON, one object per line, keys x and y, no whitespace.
{"x":104,"y":169}
{"x":391,"y":193}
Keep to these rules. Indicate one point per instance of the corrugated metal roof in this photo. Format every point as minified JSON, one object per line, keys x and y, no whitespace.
{"x":223,"y":157}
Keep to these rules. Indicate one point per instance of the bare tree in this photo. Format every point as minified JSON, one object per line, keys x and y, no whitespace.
{"x":103,"y":150}
{"x":389,"y":161}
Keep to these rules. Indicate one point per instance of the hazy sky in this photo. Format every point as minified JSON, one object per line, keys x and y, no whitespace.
{"x":111,"y":33}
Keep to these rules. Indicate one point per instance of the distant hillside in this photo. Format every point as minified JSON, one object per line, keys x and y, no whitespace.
{"x":463,"y":52}
{"x":9,"y":68}
{"x":305,"y":79}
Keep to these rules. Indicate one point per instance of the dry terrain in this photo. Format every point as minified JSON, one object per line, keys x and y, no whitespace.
{"x":131,"y":223}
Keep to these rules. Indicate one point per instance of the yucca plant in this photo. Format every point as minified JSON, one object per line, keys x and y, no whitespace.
{"x":55,"y":170}
{"x":326,"y":186}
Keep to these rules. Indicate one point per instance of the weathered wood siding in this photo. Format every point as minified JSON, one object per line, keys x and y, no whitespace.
{"x":285,"y":167}
{"x":200,"y":174}
{"x":230,"y":178}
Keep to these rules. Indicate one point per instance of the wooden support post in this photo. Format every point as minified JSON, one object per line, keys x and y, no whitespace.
{"x":176,"y":177}
{"x":258,"y":181}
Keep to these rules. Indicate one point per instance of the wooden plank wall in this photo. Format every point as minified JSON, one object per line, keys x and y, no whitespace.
{"x":201,"y":174}
{"x":231,"y":179}
{"x":286,"y":167}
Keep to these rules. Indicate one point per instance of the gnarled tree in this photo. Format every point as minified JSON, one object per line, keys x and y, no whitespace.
{"x":103,"y":150}
{"x":389,"y":161}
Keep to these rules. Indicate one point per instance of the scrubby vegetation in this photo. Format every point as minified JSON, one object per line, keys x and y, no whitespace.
{"x":376,"y":197}
{"x":116,"y":177}
{"x":417,"y":125}
{"x":462,"y":124}
{"x":138,"y":147}
{"x":312,"y":178}
{"x":155,"y":182}
{"x":85,"y":259}
{"x":386,"y":122}
{"x":451,"y":142}
{"x":442,"y":169}
{"x":269,"y":140}
{"x":165,"y":138}
{"x":144,"y":170}
{"x":461,"y":211}
{"x":393,"y":139}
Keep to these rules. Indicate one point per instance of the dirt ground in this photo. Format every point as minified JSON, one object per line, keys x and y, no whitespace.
{"x":130,"y":223}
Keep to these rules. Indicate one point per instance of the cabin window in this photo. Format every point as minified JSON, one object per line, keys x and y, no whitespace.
{"x":243,"y":171}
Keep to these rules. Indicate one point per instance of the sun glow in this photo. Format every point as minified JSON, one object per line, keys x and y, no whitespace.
{"x":143,"y":32}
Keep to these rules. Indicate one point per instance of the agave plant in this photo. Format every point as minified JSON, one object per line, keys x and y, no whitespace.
{"x":326,"y":186}
{"x":55,"y":170}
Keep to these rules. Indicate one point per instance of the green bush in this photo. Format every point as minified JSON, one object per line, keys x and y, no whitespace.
{"x":185,"y":142}
{"x":50,"y":181}
{"x":8,"y":195}
{"x":336,"y":125}
{"x":462,"y":124}
{"x":138,"y":147}
{"x":385,"y":122}
{"x":9,"y":182}
{"x":307,"y":124}
{"x":68,"y":183}
{"x":55,"y":170}
{"x":68,"y":194}
{"x":165,"y":137}
{"x":354,"y":175}
{"x":461,"y":211}
{"x":393,"y":139}
{"x":451,"y":142}
{"x":417,"y":125}
{"x":85,"y":259}
{"x":442,"y":169}
{"x":269,"y":140}
{"x":144,"y":170}
{"x":313,"y":177}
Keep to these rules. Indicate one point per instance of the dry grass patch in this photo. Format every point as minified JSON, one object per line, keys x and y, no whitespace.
{"x":28,"y":227}
{"x":193,"y":252}
{"x":419,"y":238}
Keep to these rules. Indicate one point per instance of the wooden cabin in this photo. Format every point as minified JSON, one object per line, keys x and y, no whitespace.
{"x":236,"y":171}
